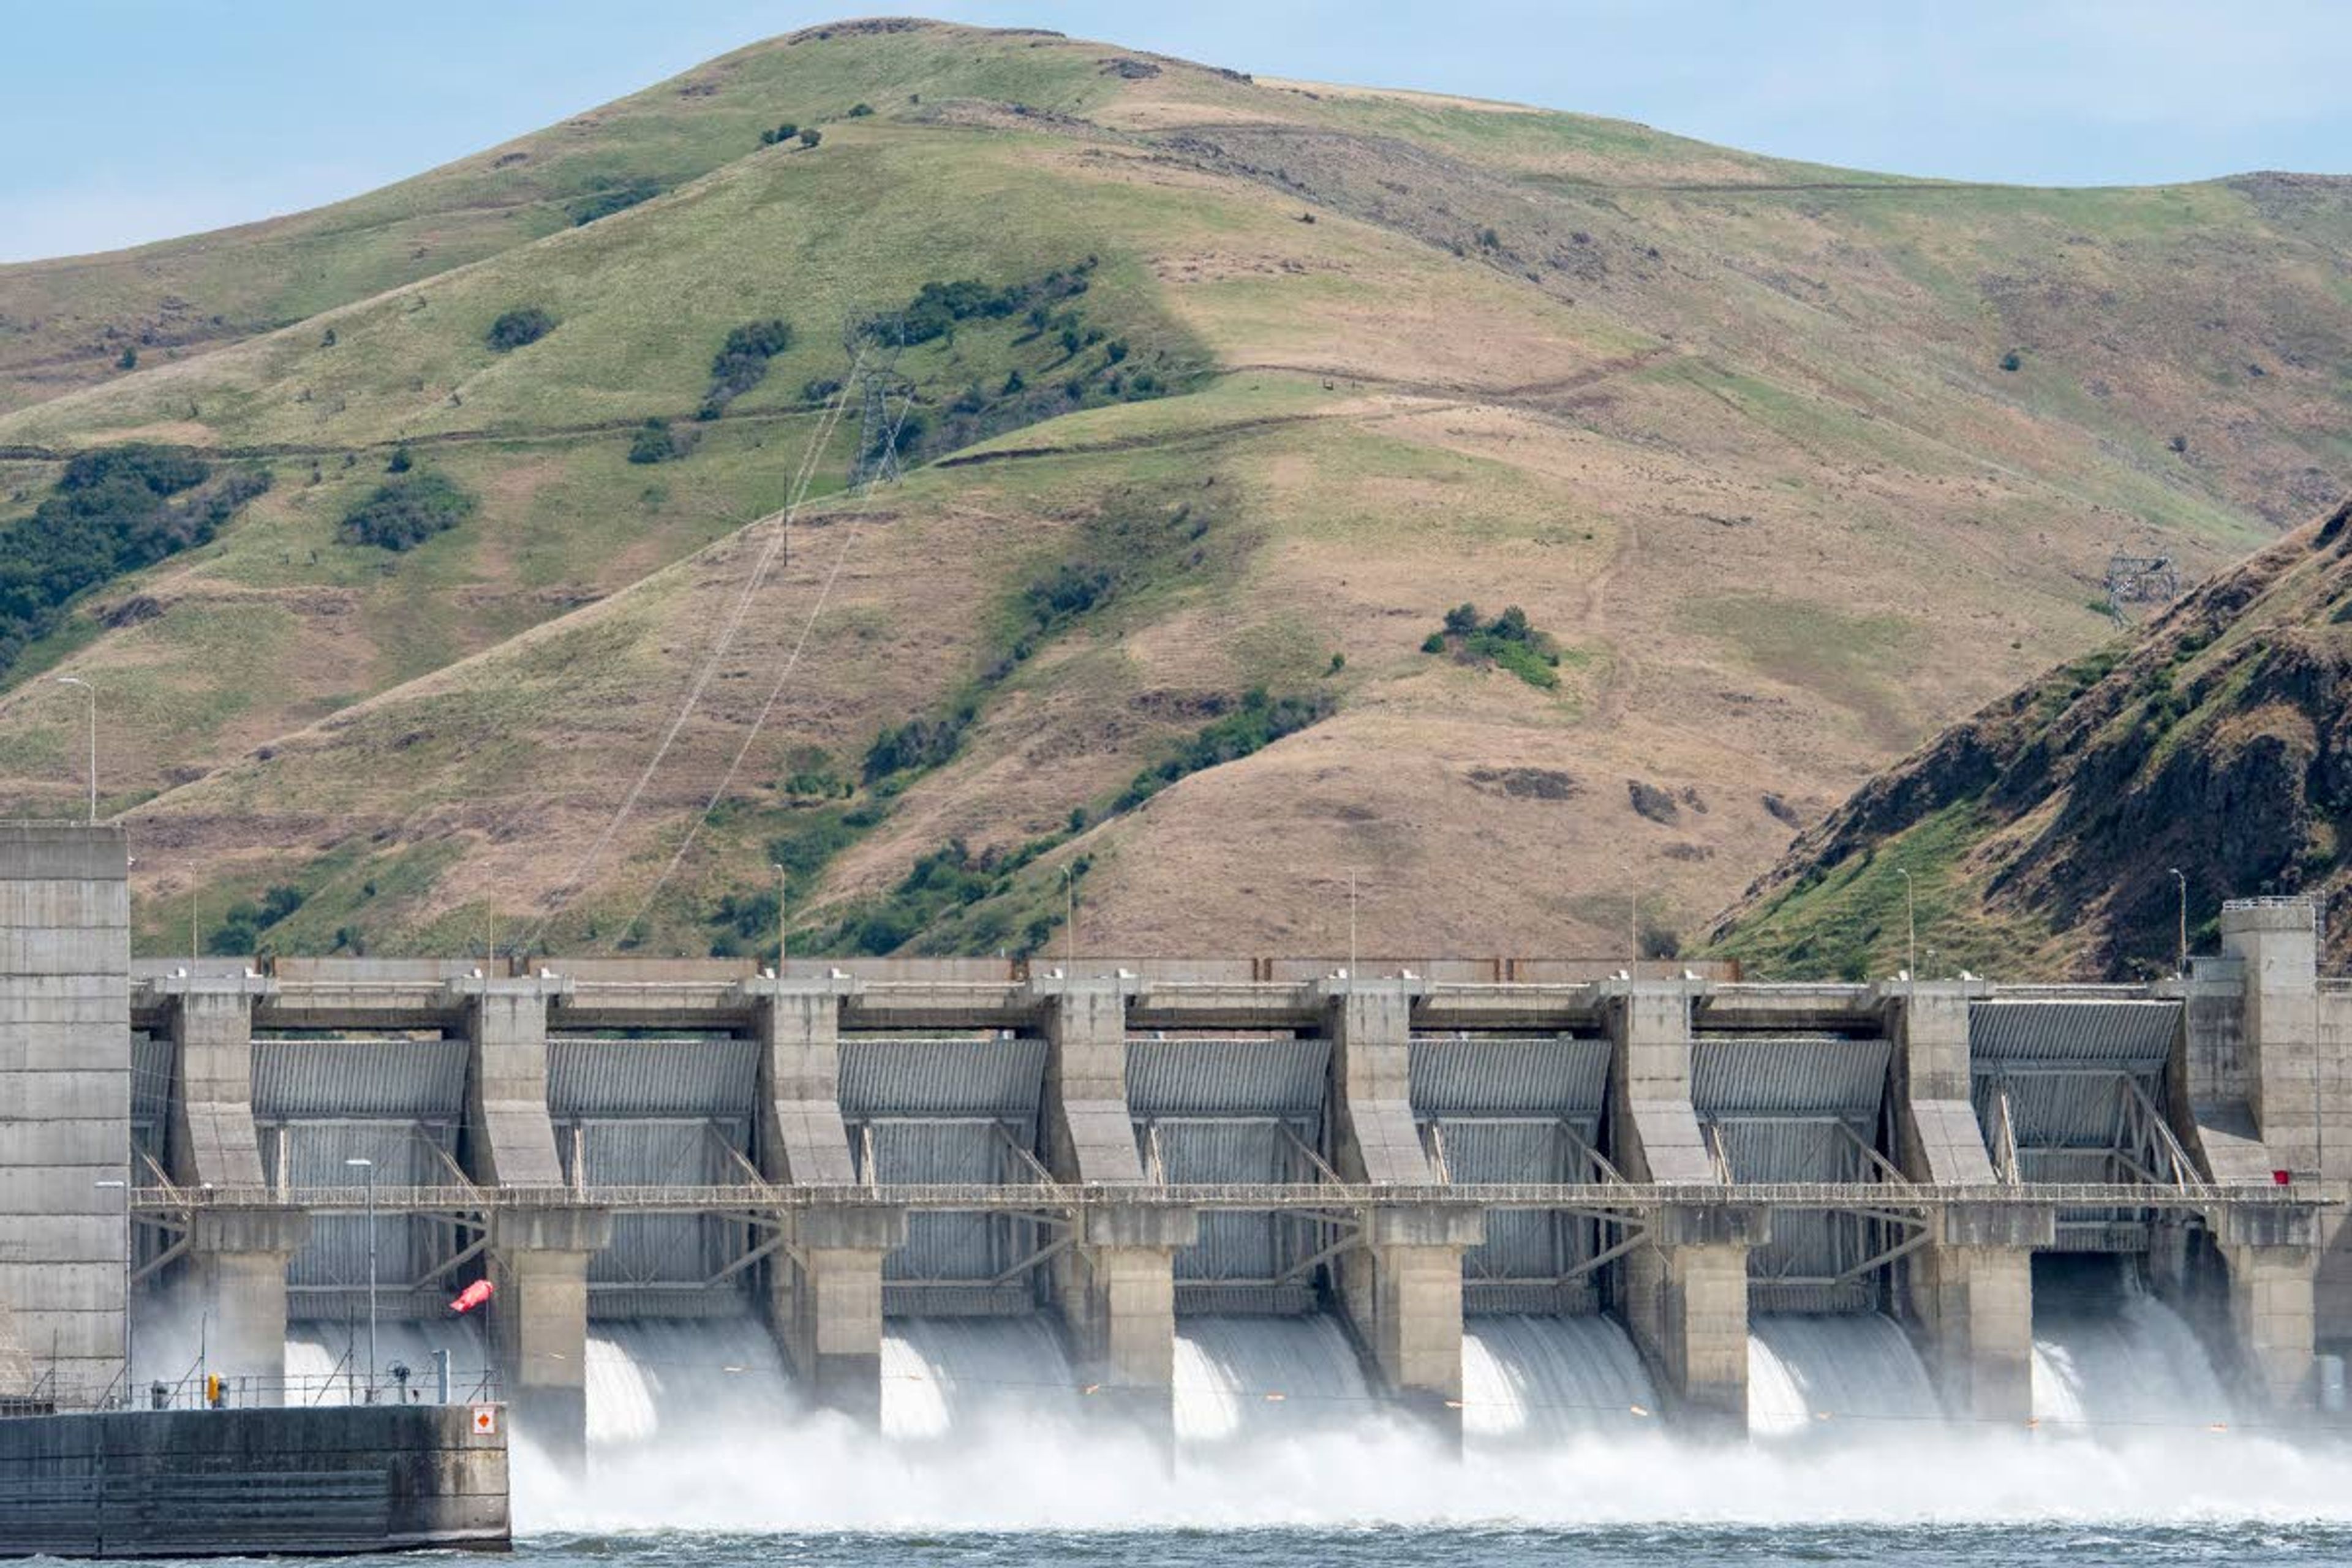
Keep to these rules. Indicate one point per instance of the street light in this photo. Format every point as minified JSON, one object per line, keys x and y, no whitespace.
{"x":123,"y":1183}
{"x":2181,"y":972}
{"x":369,"y":1166}
{"x":92,"y":692}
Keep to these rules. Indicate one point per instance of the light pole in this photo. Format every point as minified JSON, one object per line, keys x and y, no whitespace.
{"x":124,"y":1182}
{"x":91,"y":691}
{"x":1351,"y":925}
{"x":369,"y":1166}
{"x":1910,"y":925}
{"x":778,"y":870}
{"x":2181,"y":970}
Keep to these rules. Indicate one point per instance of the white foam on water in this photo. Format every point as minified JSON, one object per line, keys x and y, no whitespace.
{"x":826,"y":1474}
{"x":1009,"y":1462}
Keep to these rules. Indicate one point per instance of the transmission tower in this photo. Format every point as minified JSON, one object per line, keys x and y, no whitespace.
{"x":2140,"y":579}
{"x":874,"y":343}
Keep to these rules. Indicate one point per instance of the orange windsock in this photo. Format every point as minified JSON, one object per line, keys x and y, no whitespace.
{"x":472,"y":1296}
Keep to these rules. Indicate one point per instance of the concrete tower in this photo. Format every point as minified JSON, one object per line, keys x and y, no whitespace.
{"x":65,"y":1098}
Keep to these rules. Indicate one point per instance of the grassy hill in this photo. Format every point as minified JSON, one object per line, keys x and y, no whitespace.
{"x":1785,"y":466}
{"x":2214,"y":741}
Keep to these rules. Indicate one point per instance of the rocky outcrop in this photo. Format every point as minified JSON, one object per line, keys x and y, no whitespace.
{"x":2218,"y":739}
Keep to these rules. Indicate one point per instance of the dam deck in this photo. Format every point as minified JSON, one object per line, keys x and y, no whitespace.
{"x":1127,"y":1153}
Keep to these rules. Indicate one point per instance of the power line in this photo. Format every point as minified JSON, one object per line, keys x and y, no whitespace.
{"x":568,"y":890}
{"x":888,"y":436}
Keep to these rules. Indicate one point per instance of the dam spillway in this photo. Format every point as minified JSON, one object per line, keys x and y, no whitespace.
{"x":1836,"y":1375}
{"x":1530,"y":1381}
{"x":1493,"y":1195}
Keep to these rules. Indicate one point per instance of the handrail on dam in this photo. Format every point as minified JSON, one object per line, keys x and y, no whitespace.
{"x":1228,"y":1195}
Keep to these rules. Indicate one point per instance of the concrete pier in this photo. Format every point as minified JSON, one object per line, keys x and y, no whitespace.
{"x":65,"y":1090}
{"x":539,"y":1318}
{"x":828,"y":1303}
{"x":1404,"y":1293}
{"x":1970,"y":1286}
{"x":1116,"y":1292}
{"x":1686,"y":1287}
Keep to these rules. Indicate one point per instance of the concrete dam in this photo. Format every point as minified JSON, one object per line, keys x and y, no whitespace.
{"x":1512,"y":1201}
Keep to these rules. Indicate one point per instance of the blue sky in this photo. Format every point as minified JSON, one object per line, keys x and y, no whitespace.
{"x":131,"y":119}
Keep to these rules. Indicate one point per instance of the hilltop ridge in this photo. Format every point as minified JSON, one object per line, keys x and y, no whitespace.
{"x":1237,"y":389}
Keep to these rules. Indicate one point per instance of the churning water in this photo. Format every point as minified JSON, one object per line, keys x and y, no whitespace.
{"x":702,"y":1458}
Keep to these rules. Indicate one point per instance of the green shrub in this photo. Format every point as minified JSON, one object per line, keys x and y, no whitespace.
{"x":606,"y":202}
{"x":405,"y":514}
{"x":110,"y":511}
{"x":1257,"y":724}
{"x":920,"y":742}
{"x":860,"y":110}
{"x":783,"y":133}
{"x":524,"y":325}
{"x":742,"y":362}
{"x":127,"y":360}
{"x":401,"y":461}
{"x":811,"y":136}
{"x":1509,"y":641}
{"x":656,"y":442}
{"x":2012,"y":361}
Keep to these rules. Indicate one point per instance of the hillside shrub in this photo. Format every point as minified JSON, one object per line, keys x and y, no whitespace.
{"x":1257,"y":724}
{"x":656,"y":442}
{"x":811,"y":136}
{"x":403,"y":514}
{"x":612,"y":199}
{"x":1509,"y":641}
{"x":524,"y":325}
{"x":2012,"y":361}
{"x":920,"y":742}
{"x":742,"y":362}
{"x":783,"y":133}
{"x":401,"y":461}
{"x":860,"y":110}
{"x":112,"y":512}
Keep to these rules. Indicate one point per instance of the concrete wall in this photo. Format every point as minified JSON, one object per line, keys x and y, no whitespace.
{"x":191,"y":1483}
{"x":65,"y":1085}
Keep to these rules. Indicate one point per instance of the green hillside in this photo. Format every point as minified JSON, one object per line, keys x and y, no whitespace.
{"x":1213,"y":396}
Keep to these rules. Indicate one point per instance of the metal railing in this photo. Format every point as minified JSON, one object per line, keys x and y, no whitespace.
{"x":756,"y":1201}
{"x":196,"y":1390}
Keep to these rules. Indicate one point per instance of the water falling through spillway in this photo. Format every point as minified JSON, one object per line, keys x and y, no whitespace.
{"x":2108,"y":1354}
{"x":647,"y":1375}
{"x":1847,"y":1373}
{"x":1545,"y":1380}
{"x":943,"y":1376}
{"x":1245,"y":1377}
{"x":327,"y":1363}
